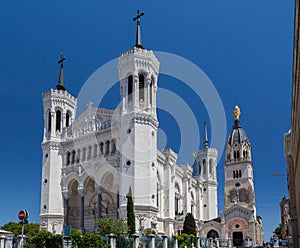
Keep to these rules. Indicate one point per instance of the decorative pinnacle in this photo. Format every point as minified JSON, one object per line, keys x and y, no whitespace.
{"x":205,"y":136}
{"x":60,"y":85}
{"x":138,"y":38}
{"x":236,"y":112}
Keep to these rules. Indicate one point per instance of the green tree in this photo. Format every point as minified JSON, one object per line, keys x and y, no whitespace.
{"x":92,"y":240}
{"x":189,"y":225}
{"x":108,"y":225}
{"x":278,"y":230}
{"x":130,"y":214}
{"x":45,"y":239}
{"x":30,"y":229}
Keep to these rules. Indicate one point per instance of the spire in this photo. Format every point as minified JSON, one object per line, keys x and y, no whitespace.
{"x":205,"y":136}
{"x":236,"y":114}
{"x":60,"y":84}
{"x":138,"y":38}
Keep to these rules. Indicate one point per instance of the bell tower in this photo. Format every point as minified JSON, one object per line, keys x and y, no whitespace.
{"x":138,"y":74}
{"x":205,"y":169}
{"x":59,"y":113}
{"x":238,"y":168}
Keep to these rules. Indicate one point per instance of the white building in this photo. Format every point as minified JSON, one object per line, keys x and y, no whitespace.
{"x":90,"y":161}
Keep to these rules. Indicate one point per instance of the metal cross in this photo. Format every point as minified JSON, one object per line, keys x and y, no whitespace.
{"x":139,"y":15}
{"x":61,"y":61}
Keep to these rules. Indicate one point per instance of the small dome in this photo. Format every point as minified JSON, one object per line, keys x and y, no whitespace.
{"x":237,"y":134}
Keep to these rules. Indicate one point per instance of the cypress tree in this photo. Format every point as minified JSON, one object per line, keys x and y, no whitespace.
{"x":130,"y":214}
{"x":189,"y":225}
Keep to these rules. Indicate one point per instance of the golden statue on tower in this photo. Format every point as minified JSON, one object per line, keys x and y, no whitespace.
{"x":236,"y":112}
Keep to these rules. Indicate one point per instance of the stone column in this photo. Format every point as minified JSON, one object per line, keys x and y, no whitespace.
{"x":229,"y":242}
{"x":217,"y":242}
{"x":165,"y":241}
{"x":66,"y":194}
{"x":53,"y":123}
{"x":136,"y":240}
{"x":98,"y":189}
{"x":176,"y":243}
{"x":152,"y":240}
{"x":198,"y":242}
{"x":112,"y":240}
{"x":147,"y":89}
{"x":82,"y":192}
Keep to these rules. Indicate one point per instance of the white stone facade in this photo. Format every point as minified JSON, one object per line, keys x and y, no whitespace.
{"x":90,"y":161}
{"x":238,"y":224}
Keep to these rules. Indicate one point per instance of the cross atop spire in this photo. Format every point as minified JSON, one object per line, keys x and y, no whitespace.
{"x":138,"y":38}
{"x":60,"y":84}
{"x":205,"y":136}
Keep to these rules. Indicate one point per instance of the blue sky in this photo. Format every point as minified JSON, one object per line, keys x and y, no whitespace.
{"x":244,"y":47}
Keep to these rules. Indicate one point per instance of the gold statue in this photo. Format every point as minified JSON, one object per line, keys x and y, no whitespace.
{"x":236,"y":112}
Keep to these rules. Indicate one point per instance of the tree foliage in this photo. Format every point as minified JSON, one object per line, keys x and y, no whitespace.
{"x":189,"y":225}
{"x":278,"y":230}
{"x":130,"y":214}
{"x":186,"y":240}
{"x":108,"y":225}
{"x":45,"y":239}
{"x":30,"y":229}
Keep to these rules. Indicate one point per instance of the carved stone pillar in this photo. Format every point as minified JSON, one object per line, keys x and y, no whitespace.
{"x":98,"y":189}
{"x":82,"y":192}
{"x":66,"y":194}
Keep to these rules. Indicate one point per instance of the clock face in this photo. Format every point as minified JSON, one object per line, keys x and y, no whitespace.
{"x":237,"y":184}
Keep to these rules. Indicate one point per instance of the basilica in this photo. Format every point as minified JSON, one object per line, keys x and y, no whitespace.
{"x":90,"y":163}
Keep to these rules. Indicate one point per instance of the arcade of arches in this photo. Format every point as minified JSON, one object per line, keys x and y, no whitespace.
{"x":87,"y":202}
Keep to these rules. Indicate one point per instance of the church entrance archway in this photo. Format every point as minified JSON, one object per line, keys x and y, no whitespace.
{"x":212,"y":234}
{"x":237,"y":238}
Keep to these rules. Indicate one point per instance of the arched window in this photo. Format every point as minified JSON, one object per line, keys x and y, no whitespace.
{"x":78,"y":156}
{"x":84,"y":153}
{"x":240,"y":173}
{"x":204,"y":167}
{"x":89,"y":152}
{"x":68,"y":158}
{"x":67,"y":119}
{"x":177,"y":199}
{"x":58,"y":120}
{"x":107,"y":143}
{"x":101,"y":148}
{"x":49,"y":121}
{"x":73,"y":157}
{"x":113,"y":146}
{"x":141,"y":87}
{"x":211,"y":167}
{"x":244,"y":153}
{"x":151,"y":90}
{"x":95,"y":151}
{"x":234,"y":154}
{"x":238,"y":154}
{"x":199,"y":169}
{"x":212,"y":234}
{"x":130,"y":88}
{"x":233,"y":174}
